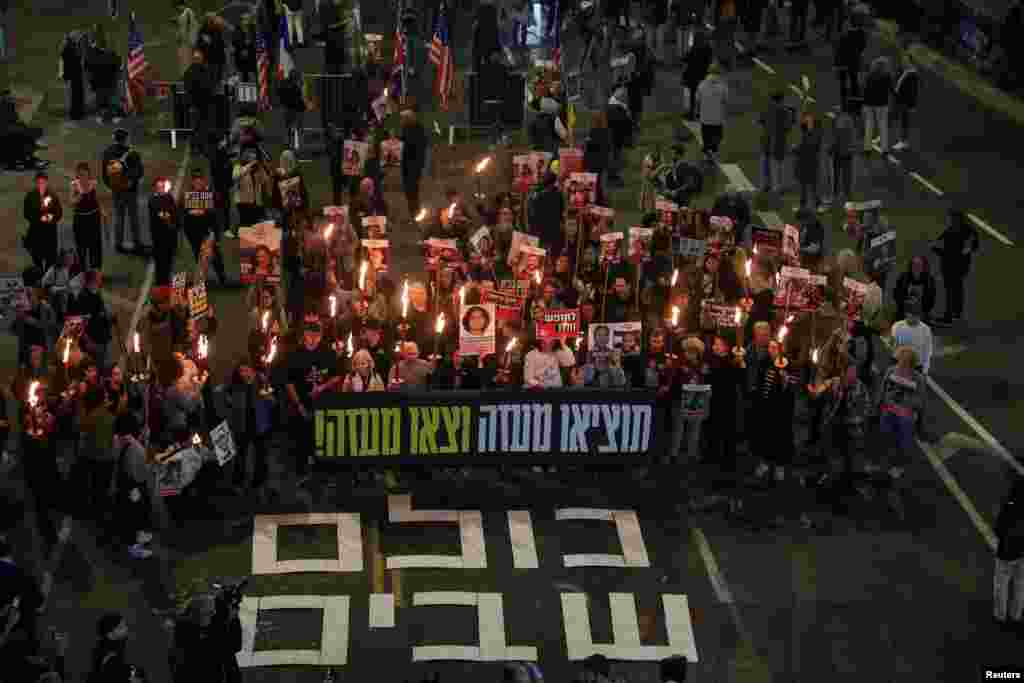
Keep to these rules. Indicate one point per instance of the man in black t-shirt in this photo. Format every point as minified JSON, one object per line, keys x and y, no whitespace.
{"x":311,"y":371}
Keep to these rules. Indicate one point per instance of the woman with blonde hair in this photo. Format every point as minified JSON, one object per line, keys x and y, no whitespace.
{"x":901,"y":401}
{"x":364,"y":375}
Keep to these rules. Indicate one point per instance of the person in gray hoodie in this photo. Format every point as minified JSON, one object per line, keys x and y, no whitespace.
{"x":712,"y":98}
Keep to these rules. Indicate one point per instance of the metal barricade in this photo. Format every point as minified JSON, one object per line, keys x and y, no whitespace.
{"x":183,"y":117}
{"x":343,"y":101}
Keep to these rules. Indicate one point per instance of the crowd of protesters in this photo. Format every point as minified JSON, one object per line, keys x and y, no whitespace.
{"x":97,"y":404}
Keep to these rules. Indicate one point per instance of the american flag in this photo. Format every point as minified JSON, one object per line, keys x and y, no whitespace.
{"x":556,"y":54}
{"x":263,"y":70}
{"x":285,"y":63}
{"x":441,"y":56}
{"x":397,"y":61}
{"x":137,"y":67}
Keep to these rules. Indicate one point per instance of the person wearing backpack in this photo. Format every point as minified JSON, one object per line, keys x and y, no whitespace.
{"x":1008,"y":584}
{"x":122,"y":170}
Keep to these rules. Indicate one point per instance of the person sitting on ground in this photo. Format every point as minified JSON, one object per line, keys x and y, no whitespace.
{"x":20,"y":141}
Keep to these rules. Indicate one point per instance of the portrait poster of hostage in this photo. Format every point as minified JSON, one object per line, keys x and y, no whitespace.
{"x":259,"y":253}
{"x":476,"y":329}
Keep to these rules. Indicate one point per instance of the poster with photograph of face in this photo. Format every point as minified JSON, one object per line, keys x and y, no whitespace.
{"x":791,"y":244}
{"x":688,"y":248}
{"x":611,"y":248}
{"x":640,"y":243}
{"x":608,"y":337}
{"x":476,"y":329}
{"x":377,"y":254}
{"x":354,"y":157}
{"x":792,"y":290}
{"x":508,"y":307}
{"x":441,"y":253}
{"x":853,"y":296}
{"x":391,"y":153}
{"x":482,"y":242}
{"x":524,"y":173}
{"x":602,"y":221}
{"x":570,"y":160}
{"x":518,"y":240}
{"x":668,"y":213}
{"x":376,"y":227}
{"x":880,"y":251}
{"x":540,"y":162}
{"x":581,"y":190}
{"x":337,"y":214}
{"x":531,"y":262}
{"x":259,"y":253}
{"x":767,"y":242}
{"x":713,"y":315}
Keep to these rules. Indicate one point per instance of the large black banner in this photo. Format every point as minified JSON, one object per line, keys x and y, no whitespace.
{"x":522,"y":426}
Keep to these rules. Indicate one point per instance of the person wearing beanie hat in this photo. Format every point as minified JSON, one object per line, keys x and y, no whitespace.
{"x":122,"y":171}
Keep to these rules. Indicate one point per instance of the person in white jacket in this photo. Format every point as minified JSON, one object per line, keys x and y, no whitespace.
{"x":915,"y":334}
{"x":541,"y":368}
{"x":712,"y":98}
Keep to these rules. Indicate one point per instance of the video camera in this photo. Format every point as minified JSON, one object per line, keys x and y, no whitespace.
{"x":228,"y":595}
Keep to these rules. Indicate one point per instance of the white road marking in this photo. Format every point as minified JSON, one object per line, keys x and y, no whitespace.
{"x":990,"y":230}
{"x":493,"y":645}
{"x":930,"y":186}
{"x":630,"y":536}
{"x":954,"y":442}
{"x":951,"y":350}
{"x":799,"y":92}
{"x":334,"y":631}
{"x":265,"y":535}
{"x":718,"y":582}
{"x":524,"y":544}
{"x":962,"y":498}
{"x":473,"y":550}
{"x":382,"y":610}
{"x":764,"y":66}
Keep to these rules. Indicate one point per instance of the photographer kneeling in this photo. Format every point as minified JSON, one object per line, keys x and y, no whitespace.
{"x":206,"y":639}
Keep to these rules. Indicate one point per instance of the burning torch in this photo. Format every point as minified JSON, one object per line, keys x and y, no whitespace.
{"x":439,"y":330}
{"x":478,"y":170}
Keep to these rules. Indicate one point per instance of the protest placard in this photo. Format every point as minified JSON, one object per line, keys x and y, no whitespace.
{"x":175,"y":473}
{"x":531,"y":261}
{"x":12,"y":296}
{"x":291,"y":192}
{"x":523,"y":173}
{"x":559,"y":323}
{"x":715,"y":315}
{"x":668,"y":213}
{"x":767,"y":242}
{"x":518,"y":240}
{"x":376,"y":227}
{"x":441,"y":252}
{"x":602,"y":221}
{"x":640,"y":240}
{"x":611,"y":248}
{"x":74,"y":326}
{"x":259,"y":253}
{"x":476,"y":331}
{"x":792,"y":290}
{"x":853,"y":294}
{"x":198,"y":201}
{"x":791,"y":244}
{"x":223,"y":443}
{"x":688,"y":248}
{"x":508,"y":308}
{"x":581,"y":190}
{"x":198,"y":305}
{"x":377,"y":254}
{"x":354,"y":159}
{"x":696,"y":400}
{"x":391,"y":152}
{"x":570,"y":160}
{"x":881,"y":251}
{"x":623,"y":337}
{"x":338,"y":214}
{"x":521,"y":288}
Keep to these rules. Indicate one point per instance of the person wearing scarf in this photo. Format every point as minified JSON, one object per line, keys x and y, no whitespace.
{"x":364,"y":375}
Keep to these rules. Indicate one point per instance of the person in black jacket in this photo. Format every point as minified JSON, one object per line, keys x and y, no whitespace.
{"x":849,"y":54}
{"x":289,"y":93}
{"x":220,"y":173}
{"x":17,"y":140}
{"x":916,"y":283}
{"x":123,"y":179}
{"x":43,"y":212}
{"x":547,"y":207}
{"x":97,"y":333}
{"x":726,"y":375}
{"x":877,"y":92}
{"x":71,"y":66}
{"x":199,"y":88}
{"x":597,"y":152}
{"x":905,"y":96}
{"x":211,"y":42}
{"x":163,"y":226}
{"x":201,"y":224}
{"x":955,"y":247}
{"x":104,"y":65}
{"x":414,"y":158}
{"x":243,"y":43}
{"x":206,"y":640}
{"x":698,"y":61}
{"x":1008,"y":586}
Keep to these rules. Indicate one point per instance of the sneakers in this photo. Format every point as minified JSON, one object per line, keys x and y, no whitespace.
{"x":900,"y":146}
{"x":139,"y":552}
